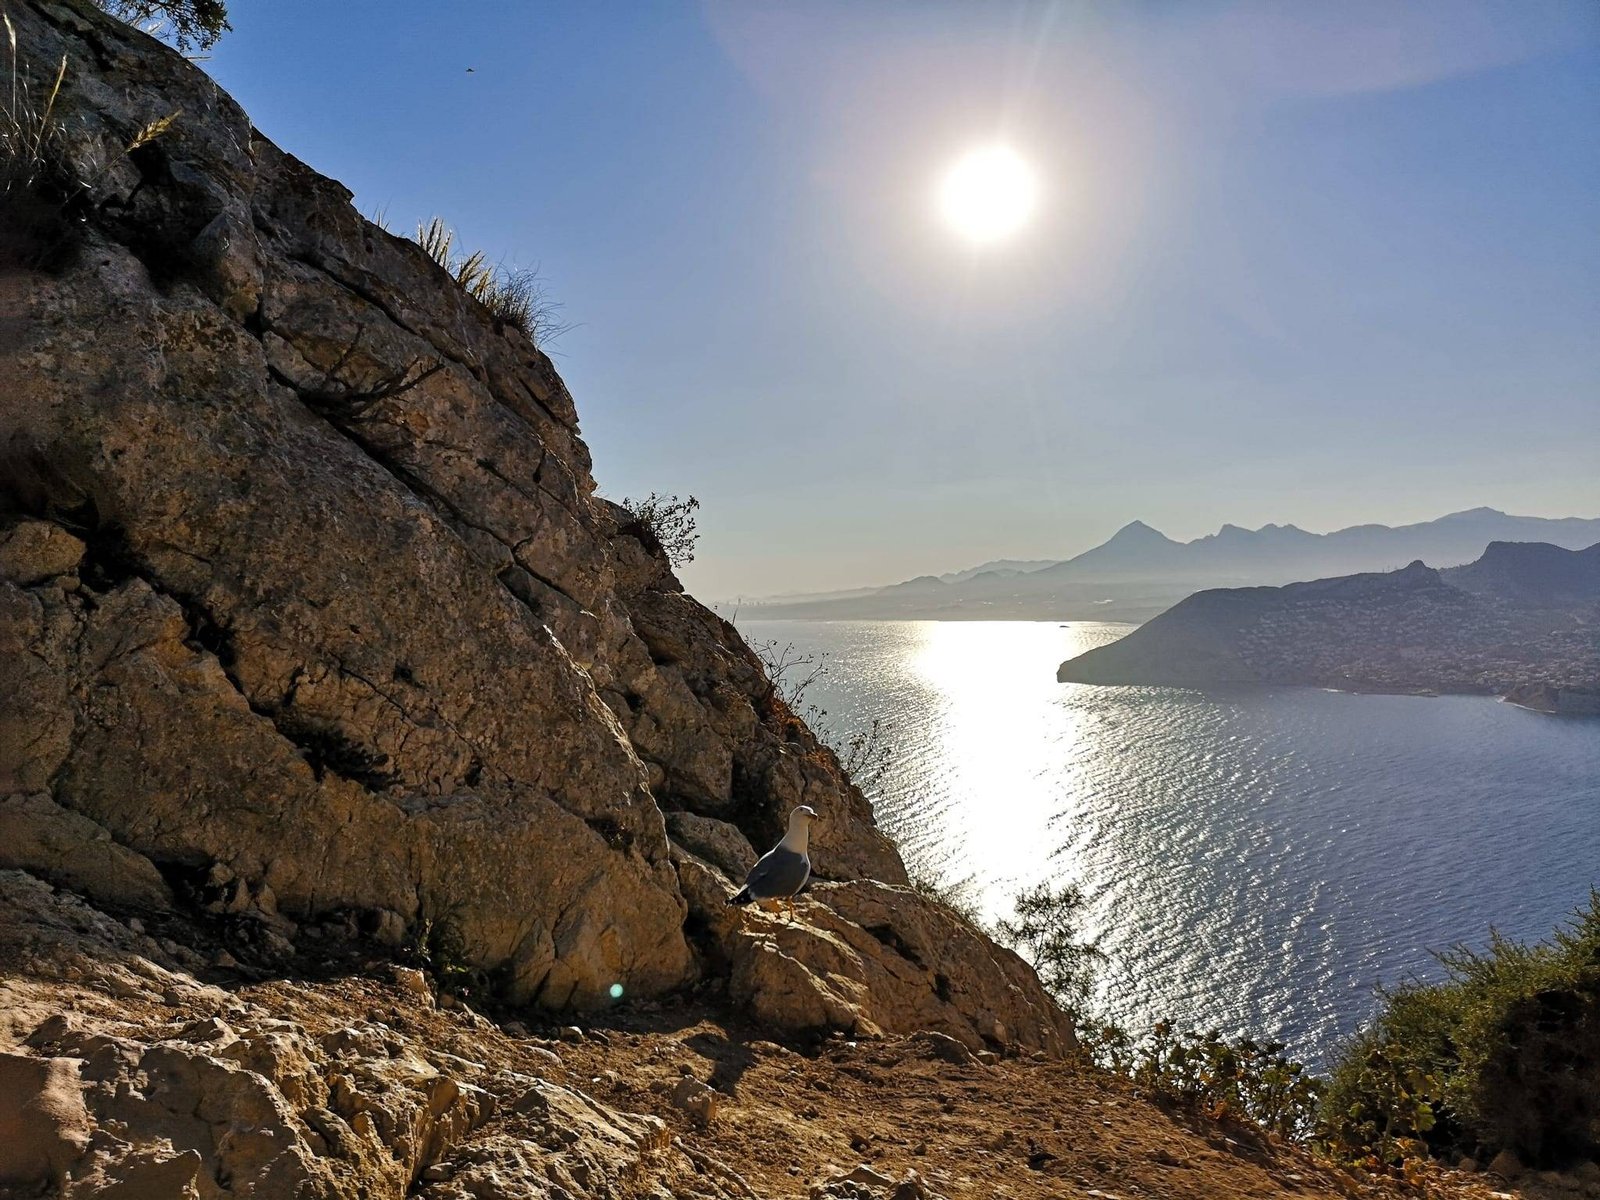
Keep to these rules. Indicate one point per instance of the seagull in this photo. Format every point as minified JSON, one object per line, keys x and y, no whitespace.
{"x":781,"y":872}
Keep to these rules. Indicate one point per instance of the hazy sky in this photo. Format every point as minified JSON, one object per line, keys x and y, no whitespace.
{"x":1319,"y":263}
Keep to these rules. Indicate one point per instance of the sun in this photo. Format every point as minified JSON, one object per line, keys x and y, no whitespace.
{"x":988,"y":194}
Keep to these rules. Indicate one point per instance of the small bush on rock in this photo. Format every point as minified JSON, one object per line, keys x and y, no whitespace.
{"x":1503,"y":1055}
{"x":669,"y":520}
{"x":29,"y":129}
{"x":1238,"y":1077}
{"x":1044,"y":927}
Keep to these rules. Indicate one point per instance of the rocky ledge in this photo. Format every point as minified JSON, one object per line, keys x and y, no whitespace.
{"x":125,"y":1073}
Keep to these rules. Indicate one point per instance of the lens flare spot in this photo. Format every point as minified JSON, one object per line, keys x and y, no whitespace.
{"x":616,"y":991}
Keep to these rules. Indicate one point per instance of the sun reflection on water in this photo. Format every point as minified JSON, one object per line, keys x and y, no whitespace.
{"x":1255,"y":860}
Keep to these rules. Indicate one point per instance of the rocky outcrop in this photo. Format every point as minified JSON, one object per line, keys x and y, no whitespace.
{"x":180,"y":1089}
{"x":311,"y":619}
{"x":868,"y":957}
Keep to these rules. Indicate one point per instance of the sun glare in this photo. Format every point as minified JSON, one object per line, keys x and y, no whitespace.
{"x":988,"y":194}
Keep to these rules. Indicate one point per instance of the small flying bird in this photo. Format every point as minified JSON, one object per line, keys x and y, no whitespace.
{"x":781,"y":872}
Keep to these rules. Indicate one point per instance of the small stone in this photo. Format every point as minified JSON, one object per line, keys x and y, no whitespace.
{"x":136,"y":925}
{"x":942,"y":1046}
{"x":515,"y":1029}
{"x":438,"y":1173}
{"x":697,"y":1099}
{"x":1469,"y":1165}
{"x":225,"y":960}
{"x":987,"y":1057}
{"x":411,"y":980}
{"x":391,"y":930}
{"x":865,"y":1174}
{"x":571,"y":1033}
{"x":1506,"y":1165}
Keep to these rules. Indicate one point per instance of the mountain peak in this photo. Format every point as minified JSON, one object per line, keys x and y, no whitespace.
{"x":1138,"y":530}
{"x":1482,"y":510}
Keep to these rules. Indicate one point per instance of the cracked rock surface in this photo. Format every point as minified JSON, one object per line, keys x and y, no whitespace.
{"x":310,"y":615}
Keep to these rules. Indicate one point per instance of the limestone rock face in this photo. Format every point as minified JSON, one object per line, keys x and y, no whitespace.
{"x":310,"y":617}
{"x":304,"y":584}
{"x":44,"y":1126}
{"x":195,"y":1092}
{"x":35,"y":830}
{"x":869,"y":958}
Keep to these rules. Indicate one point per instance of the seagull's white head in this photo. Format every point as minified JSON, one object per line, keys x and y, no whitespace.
{"x":800,"y":819}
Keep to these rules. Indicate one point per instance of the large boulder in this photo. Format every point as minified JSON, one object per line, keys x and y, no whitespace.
{"x":44,"y":1126}
{"x":868,"y":958}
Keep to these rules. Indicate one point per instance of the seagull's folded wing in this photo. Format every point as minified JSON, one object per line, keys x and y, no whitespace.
{"x":779,"y":873}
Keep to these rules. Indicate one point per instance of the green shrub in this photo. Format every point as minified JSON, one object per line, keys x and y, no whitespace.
{"x":1503,"y":1055}
{"x":1222,"y":1077}
{"x":1044,"y":928}
{"x":668,"y":522}
{"x":186,"y":24}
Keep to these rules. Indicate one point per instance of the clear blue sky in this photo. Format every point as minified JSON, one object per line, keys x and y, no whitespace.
{"x":1319,"y":263}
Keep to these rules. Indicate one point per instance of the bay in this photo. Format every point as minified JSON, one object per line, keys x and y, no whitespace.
{"x":1256,"y":859}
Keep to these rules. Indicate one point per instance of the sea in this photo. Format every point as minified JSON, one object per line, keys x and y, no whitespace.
{"x":1255,"y":860}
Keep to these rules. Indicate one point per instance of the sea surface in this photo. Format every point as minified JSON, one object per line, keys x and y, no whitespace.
{"x":1256,"y":859}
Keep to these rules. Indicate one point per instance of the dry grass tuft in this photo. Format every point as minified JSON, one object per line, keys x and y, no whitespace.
{"x":513,"y":297}
{"x":29,"y":132}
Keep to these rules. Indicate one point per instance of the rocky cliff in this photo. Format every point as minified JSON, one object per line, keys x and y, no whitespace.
{"x":311,"y":619}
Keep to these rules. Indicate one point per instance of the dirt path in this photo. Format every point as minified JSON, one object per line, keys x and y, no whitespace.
{"x":790,"y":1120}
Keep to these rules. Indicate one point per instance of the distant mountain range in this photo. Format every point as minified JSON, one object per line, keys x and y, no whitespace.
{"x":1523,"y":620}
{"x":1140,"y":571}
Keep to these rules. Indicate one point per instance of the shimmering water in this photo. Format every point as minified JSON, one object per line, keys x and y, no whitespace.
{"x":1256,"y":859}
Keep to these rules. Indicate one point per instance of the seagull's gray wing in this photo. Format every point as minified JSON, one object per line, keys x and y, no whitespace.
{"x":778,"y":874}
